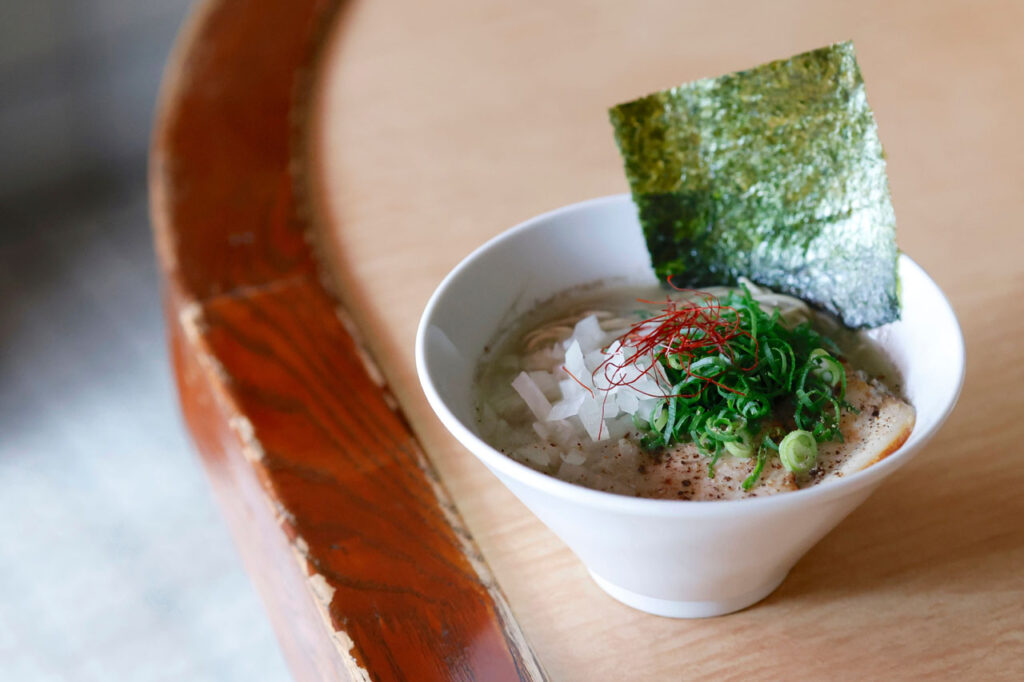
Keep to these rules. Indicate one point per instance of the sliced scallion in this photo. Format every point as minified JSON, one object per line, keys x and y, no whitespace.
{"x":732,"y":368}
{"x":742,"y":447}
{"x":798,"y":451}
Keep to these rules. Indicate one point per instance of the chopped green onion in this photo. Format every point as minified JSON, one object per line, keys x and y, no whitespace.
{"x":826,"y":367}
{"x":762,"y":457}
{"x":652,"y":441}
{"x":660,"y":419}
{"x":722,"y":394}
{"x":708,"y":367}
{"x":743,"y":447}
{"x":753,"y":406}
{"x":670,"y":420}
{"x":722,"y":427}
{"x":798,"y":451}
{"x":714,"y":460}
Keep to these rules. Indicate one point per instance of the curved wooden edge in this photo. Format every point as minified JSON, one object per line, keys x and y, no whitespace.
{"x":359,"y":554}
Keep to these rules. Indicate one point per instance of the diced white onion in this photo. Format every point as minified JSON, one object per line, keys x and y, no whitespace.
{"x":588,"y":334}
{"x":532,"y":396}
{"x":591,"y":416}
{"x":627,"y":401}
{"x":546,"y":382}
{"x":567,"y":407}
{"x":575,"y":365}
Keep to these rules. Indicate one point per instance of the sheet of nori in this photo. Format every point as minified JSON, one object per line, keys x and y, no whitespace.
{"x":776,"y":174}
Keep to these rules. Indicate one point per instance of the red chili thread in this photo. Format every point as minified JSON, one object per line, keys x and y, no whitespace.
{"x":585,"y":387}
{"x":698,"y":324}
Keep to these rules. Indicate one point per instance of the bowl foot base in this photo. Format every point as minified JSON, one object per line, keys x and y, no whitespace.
{"x":688,"y":609}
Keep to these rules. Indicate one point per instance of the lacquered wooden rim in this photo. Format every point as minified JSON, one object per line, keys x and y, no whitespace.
{"x":362,"y":560}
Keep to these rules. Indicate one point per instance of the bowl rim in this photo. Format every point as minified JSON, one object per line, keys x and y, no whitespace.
{"x":505,"y":465}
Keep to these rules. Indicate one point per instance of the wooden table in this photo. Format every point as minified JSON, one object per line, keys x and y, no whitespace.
{"x":396,"y":137}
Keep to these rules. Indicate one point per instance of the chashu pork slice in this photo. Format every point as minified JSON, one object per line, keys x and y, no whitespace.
{"x":882,"y":424}
{"x":681,"y":473}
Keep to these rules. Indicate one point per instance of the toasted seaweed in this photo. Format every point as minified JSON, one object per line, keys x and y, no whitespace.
{"x":775,"y":173}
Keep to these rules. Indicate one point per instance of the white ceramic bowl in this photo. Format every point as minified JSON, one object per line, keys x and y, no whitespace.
{"x":668,"y":557}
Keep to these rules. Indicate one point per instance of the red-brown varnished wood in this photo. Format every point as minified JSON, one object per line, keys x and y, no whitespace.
{"x":361,"y":558}
{"x":255,"y":524}
{"x":223,"y":193}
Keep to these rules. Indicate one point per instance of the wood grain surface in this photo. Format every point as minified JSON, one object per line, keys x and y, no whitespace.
{"x":438,"y":125}
{"x":363,"y":562}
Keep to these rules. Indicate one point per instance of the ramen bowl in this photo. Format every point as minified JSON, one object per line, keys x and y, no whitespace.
{"x":677,"y":558}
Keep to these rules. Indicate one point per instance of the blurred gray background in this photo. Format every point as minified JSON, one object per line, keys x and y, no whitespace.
{"x":114,"y":562}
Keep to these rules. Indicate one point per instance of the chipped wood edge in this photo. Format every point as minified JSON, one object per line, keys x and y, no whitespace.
{"x":191,"y":319}
{"x":186,"y":310}
{"x":305,"y":183}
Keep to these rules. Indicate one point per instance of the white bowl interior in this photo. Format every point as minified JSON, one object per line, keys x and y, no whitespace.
{"x":509,"y":275}
{"x":927,"y":347}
